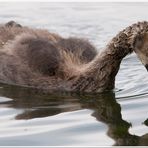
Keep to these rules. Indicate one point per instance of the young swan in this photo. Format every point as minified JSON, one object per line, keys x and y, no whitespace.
{"x":39,"y":59}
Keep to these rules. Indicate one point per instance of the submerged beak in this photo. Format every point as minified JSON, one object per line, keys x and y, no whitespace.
{"x":146,"y":66}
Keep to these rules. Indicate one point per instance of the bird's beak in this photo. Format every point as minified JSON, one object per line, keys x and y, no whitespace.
{"x":146,"y":66}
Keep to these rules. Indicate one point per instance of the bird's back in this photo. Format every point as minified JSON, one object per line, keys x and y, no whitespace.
{"x":31,"y":54}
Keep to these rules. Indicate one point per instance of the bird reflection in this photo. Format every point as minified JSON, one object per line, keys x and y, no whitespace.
{"x":105,"y":108}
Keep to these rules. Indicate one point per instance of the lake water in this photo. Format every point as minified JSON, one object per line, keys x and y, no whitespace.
{"x":28,"y":117}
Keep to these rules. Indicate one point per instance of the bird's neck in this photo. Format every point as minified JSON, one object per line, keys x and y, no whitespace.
{"x":105,"y":68}
{"x":99,"y":74}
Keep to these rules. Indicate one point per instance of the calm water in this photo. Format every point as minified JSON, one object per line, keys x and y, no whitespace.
{"x":30,"y":118}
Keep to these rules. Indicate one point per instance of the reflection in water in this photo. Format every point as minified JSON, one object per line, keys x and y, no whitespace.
{"x":105,"y":109}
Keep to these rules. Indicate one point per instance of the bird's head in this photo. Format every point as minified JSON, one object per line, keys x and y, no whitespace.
{"x":141,"y":48}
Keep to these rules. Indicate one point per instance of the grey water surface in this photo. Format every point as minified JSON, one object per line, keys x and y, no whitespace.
{"x":32,"y":118}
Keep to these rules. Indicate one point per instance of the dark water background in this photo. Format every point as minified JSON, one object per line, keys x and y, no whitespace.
{"x":28,"y":117}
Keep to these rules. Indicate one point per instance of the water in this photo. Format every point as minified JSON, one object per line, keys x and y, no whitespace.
{"x":28,"y":117}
